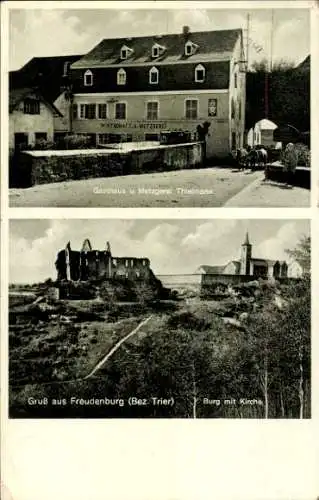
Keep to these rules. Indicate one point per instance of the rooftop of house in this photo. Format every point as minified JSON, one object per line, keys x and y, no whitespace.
{"x":266,"y":124}
{"x":44,"y":72}
{"x":210,"y":46}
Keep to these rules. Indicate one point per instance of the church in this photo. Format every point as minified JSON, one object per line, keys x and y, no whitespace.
{"x":247,"y":265}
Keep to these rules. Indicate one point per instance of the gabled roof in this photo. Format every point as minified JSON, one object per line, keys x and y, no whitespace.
{"x":43,"y":72}
{"x":17,"y":95}
{"x":212,"y":45}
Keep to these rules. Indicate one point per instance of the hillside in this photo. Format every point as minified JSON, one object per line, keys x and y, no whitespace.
{"x":190,"y":350}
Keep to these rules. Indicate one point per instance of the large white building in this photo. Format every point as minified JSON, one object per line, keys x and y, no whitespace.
{"x":131,"y":89}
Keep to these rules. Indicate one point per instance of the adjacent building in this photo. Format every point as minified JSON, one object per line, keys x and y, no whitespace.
{"x":46,"y":80}
{"x":254,"y":267}
{"x":131,"y":89}
{"x":31,"y":118}
{"x":262,"y":133}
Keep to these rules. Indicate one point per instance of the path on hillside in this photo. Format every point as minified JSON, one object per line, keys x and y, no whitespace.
{"x":205,"y":187}
{"x":116,"y":346}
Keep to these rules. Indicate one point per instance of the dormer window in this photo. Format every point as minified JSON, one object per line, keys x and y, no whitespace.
{"x":121,"y":77}
{"x":190,"y":48}
{"x":126,"y":52}
{"x":153,"y":75}
{"x":157,"y":50}
{"x":88,"y":78}
{"x":199,"y":73}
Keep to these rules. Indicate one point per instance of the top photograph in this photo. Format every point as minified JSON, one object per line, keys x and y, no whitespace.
{"x":159,"y":107}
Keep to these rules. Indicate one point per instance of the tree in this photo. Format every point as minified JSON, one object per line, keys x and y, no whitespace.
{"x":302,"y":254}
{"x":285,"y":90}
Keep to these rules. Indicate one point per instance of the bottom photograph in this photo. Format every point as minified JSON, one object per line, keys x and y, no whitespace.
{"x":152,"y":318}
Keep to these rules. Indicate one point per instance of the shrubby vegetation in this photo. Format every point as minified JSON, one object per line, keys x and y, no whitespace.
{"x":188,"y":352}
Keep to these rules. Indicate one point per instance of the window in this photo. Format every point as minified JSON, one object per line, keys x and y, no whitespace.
{"x":138,"y":274}
{"x":190,"y":48}
{"x":235,"y":81}
{"x":88,"y":78}
{"x":239,"y":110}
{"x":126,"y":263}
{"x":199,"y":73}
{"x":102,"y":111}
{"x":115,"y":138}
{"x":153,"y":75}
{"x":125,"y":52}
{"x":155,"y":51}
{"x":152,"y":137}
{"x":121,"y":77}
{"x":31,"y":107}
{"x":88,"y":111}
{"x":129,"y":138}
{"x":114,"y":262}
{"x":120,"y":111}
{"x":132,"y":263}
{"x":40,"y":136}
{"x":152,"y":110}
{"x":103,"y":138}
{"x":191,"y":109}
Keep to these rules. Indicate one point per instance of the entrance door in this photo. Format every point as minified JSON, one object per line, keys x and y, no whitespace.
{"x":20,"y":141}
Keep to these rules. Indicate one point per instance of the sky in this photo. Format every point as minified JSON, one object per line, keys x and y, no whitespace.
{"x":49,"y":32}
{"x":173,"y":246}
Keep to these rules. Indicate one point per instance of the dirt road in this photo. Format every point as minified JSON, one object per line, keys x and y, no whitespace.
{"x":209,"y":187}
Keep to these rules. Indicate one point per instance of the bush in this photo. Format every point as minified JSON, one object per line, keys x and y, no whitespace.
{"x":76,"y":141}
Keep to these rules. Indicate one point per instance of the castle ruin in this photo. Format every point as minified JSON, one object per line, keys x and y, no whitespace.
{"x":88,"y":264}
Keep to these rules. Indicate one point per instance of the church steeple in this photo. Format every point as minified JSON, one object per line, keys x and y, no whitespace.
{"x":246,"y":242}
{"x":245,"y":256}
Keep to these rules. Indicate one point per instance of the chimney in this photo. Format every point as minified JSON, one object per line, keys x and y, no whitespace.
{"x":186,"y":31}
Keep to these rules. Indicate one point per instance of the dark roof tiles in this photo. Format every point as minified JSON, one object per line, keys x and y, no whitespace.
{"x":211,"y":45}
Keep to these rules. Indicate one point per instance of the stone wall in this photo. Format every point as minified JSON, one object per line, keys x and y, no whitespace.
{"x":43,"y":167}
